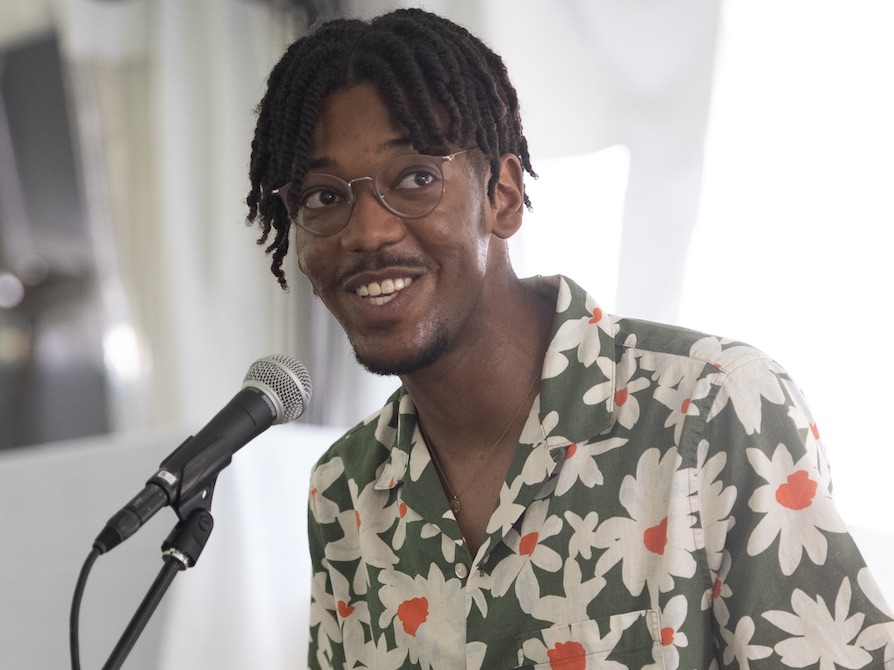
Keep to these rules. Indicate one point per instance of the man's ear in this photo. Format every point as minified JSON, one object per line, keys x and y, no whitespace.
{"x":509,"y":198}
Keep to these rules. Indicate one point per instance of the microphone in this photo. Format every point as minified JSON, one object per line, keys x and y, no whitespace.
{"x":276,"y":390}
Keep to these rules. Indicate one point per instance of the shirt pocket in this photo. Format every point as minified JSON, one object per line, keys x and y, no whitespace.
{"x":631,"y":640}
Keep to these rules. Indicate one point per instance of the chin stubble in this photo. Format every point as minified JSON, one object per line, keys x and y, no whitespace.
{"x":413,"y":362}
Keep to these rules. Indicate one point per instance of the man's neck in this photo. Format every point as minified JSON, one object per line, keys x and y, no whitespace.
{"x":470,"y":395}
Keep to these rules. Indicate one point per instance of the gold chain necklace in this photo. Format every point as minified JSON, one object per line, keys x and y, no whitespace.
{"x":455,"y":504}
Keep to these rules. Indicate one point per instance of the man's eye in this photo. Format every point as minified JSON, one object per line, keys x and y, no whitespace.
{"x":321,"y":197}
{"x":416,"y":178}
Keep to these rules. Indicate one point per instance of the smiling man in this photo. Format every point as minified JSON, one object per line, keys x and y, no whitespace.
{"x":551,"y":486}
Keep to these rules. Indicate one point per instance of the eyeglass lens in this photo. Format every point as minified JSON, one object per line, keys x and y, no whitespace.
{"x":409,"y":186}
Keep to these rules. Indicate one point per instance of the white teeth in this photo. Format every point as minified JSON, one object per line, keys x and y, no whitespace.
{"x":379,"y":293}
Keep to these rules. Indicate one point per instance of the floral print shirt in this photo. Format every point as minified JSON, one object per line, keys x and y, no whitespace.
{"x":669,"y":506}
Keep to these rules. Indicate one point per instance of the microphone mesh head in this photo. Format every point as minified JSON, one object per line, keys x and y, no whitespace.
{"x":288,"y":382}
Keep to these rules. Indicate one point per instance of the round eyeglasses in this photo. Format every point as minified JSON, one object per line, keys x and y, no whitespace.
{"x":409,"y":186}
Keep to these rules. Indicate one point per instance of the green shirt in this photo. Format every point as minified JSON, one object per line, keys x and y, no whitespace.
{"x":668,"y":506}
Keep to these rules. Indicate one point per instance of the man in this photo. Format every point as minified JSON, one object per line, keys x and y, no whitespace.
{"x":551,"y":486}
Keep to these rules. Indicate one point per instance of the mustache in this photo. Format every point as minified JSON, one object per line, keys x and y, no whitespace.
{"x":376,"y":262}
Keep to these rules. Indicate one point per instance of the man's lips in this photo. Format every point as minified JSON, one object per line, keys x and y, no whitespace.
{"x":382,"y":292}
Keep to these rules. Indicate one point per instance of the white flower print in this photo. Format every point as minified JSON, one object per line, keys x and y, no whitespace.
{"x":568,"y":655}
{"x":680,"y":401}
{"x":716,"y":502}
{"x":819,"y":634}
{"x":715,"y":350}
{"x":364,"y":531}
{"x":580,"y":464}
{"x":419,"y":456}
{"x":508,"y":510}
{"x":796,"y":509}
{"x":405,"y":515}
{"x":536,"y":431}
{"x":717,"y":595}
{"x":564,"y":648}
{"x":739,"y":647}
{"x":353,"y":617}
{"x":680,"y":382}
{"x":585,"y":340}
{"x":322,"y":613}
{"x":475,"y":653}
{"x":394,"y":469}
{"x":343,"y":620}
{"x":624,"y":398}
{"x":656,"y":542}
{"x":679,"y":371}
{"x":801,"y":417}
{"x":539,"y":465}
{"x":325,"y":510}
{"x":583,"y":538}
{"x":448,"y":544}
{"x":477,"y":591}
{"x":385,"y":432}
{"x":603,"y":391}
{"x":881,"y":634}
{"x":427,"y":615}
{"x":377,"y":655}
{"x":324,"y":652}
{"x":672,"y":638}
{"x":564,"y":295}
{"x":528,"y":551}
{"x":748,"y":388}
{"x":572,"y":606}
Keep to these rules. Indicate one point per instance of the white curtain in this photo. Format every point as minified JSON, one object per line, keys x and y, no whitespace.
{"x":165,"y":93}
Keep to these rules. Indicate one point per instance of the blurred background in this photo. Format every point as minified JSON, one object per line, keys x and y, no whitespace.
{"x":726,"y":166}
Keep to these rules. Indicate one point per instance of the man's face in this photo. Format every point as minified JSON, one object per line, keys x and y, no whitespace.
{"x":406,"y":291}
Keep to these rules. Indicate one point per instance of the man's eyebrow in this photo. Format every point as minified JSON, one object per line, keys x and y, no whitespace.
{"x":396,"y":143}
{"x":387,"y":145}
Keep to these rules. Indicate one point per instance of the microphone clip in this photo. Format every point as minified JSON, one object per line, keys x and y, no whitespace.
{"x":198,"y":497}
{"x":188,"y":538}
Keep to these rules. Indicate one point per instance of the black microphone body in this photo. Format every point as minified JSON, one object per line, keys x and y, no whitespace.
{"x":203,"y":456}
{"x":276,"y":390}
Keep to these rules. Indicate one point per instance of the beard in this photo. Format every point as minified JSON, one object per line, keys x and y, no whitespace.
{"x":420,"y":359}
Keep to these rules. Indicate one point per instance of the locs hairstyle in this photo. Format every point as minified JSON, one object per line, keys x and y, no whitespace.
{"x":443,"y":84}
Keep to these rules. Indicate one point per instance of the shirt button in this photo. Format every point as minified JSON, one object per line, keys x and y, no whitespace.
{"x":461,"y":570}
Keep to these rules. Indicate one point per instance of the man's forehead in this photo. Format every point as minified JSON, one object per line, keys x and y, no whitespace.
{"x":356,"y":120}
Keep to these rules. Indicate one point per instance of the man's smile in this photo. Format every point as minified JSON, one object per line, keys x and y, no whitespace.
{"x":379,"y":293}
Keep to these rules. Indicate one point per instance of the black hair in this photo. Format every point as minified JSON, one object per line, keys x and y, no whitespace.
{"x":443,"y":84}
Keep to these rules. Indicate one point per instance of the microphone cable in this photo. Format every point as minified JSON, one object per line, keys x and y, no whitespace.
{"x":74,"y":644}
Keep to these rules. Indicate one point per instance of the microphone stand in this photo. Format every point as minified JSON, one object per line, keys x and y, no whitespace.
{"x":180,"y":550}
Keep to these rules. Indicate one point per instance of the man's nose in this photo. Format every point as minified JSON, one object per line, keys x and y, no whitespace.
{"x":370,"y":225}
